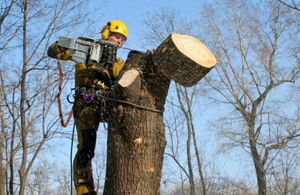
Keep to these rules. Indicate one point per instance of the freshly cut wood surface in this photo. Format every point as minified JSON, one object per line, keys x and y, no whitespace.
{"x":184,"y":59}
{"x":128,"y":78}
{"x":129,"y":85}
{"x":194,"y":49}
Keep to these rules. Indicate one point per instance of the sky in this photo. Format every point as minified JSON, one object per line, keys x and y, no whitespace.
{"x":131,"y":13}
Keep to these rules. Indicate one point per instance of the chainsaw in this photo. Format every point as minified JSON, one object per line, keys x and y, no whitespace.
{"x":89,"y":51}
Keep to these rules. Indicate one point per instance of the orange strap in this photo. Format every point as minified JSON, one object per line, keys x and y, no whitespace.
{"x":61,"y":75}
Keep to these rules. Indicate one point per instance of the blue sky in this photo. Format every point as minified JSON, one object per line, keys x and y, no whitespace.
{"x":131,"y":13}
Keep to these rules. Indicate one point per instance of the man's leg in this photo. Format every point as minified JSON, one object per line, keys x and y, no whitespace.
{"x":87,"y":123}
{"x":83,"y":177}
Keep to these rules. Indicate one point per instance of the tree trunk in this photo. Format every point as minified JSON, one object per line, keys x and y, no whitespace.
{"x":259,"y":167}
{"x":24,"y":133}
{"x":2,"y":141}
{"x":183,"y":59}
{"x":136,"y":136}
{"x":136,"y":132}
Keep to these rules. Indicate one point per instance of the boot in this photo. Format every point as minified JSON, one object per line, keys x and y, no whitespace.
{"x":84,"y":183}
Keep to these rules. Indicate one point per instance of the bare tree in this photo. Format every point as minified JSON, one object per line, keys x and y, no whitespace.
{"x":100,"y":167}
{"x":283,"y":175}
{"x":258,"y":55}
{"x":6,"y":9}
{"x":163,"y":22}
{"x":29,"y":82}
{"x":39,"y":178}
{"x":221,"y":185}
{"x":291,"y":4}
{"x":63,"y":178}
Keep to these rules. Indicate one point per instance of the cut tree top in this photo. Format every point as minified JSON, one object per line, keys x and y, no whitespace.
{"x":184,"y":59}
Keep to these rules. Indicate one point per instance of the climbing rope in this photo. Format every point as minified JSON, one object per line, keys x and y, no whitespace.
{"x":71,"y":151}
{"x":61,"y":75}
{"x":71,"y":158}
{"x":130,"y":103}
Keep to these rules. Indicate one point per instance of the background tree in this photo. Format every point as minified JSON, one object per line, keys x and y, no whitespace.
{"x":28,"y":87}
{"x":291,"y":4}
{"x":257,"y":47}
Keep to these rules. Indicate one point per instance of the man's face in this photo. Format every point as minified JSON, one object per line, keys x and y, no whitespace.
{"x":117,"y":38}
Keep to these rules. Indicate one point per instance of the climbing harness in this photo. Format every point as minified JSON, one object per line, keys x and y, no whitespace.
{"x":98,"y":96}
{"x":93,"y":96}
{"x":90,"y":97}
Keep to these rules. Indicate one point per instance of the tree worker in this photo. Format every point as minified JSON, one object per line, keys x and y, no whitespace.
{"x":87,"y":116}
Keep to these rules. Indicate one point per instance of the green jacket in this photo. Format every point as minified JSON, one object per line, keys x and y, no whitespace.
{"x":83,"y":76}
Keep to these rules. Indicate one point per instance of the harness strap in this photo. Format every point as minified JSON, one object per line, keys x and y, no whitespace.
{"x":86,"y":175}
{"x":86,"y":169}
{"x":83,"y":181}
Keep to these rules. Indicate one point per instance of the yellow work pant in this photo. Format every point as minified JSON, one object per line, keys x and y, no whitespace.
{"x":87,"y":119}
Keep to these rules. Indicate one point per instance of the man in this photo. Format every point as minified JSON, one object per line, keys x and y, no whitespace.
{"x":88,"y":80}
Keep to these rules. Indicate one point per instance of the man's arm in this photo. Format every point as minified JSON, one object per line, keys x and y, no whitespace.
{"x":114,"y":70}
{"x":54,"y":49}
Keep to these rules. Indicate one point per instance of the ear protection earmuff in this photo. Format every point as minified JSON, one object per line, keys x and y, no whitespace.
{"x":106,"y":31}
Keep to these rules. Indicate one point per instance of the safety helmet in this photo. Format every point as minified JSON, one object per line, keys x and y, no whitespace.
{"x":113,"y":26}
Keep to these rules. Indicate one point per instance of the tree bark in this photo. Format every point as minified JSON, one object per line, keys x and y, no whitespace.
{"x":259,"y":167}
{"x":136,"y":132}
{"x":24,"y":133}
{"x":2,"y":141}
{"x":136,"y":136}
{"x":184,"y":59}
